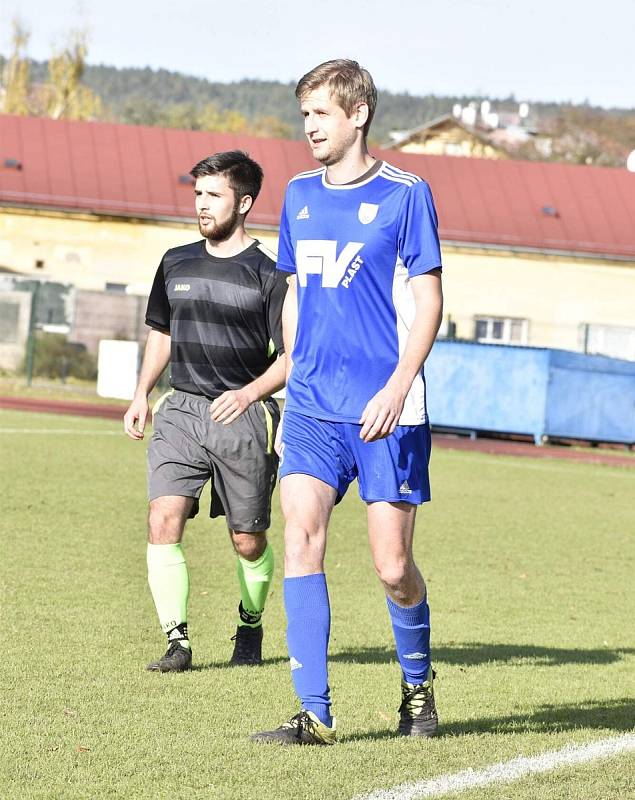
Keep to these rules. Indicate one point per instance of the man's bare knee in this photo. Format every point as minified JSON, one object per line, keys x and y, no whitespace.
{"x":306,"y":504}
{"x":402,"y":581}
{"x":249,"y":546}
{"x":303,"y":549}
{"x":166,"y":519}
{"x":393,"y":574}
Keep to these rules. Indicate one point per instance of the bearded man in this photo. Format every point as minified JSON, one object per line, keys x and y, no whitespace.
{"x":215,"y":317}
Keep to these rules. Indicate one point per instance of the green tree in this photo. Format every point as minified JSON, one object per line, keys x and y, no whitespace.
{"x":268,"y":125}
{"x":180,"y":115}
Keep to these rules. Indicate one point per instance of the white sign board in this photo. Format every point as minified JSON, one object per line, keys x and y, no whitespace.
{"x":117,"y":366}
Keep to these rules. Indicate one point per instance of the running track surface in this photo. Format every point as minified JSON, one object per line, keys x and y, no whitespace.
{"x":493,"y":446}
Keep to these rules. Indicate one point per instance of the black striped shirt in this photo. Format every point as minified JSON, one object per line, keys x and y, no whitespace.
{"x":221,"y":314}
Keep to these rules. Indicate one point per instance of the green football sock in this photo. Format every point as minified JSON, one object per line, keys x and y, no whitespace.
{"x":170,"y":586}
{"x":255,"y":579}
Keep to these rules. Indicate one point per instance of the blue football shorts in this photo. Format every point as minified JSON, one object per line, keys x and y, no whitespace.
{"x":394,"y":469}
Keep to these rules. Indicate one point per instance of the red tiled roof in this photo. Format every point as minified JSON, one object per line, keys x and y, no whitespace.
{"x":134,"y":171}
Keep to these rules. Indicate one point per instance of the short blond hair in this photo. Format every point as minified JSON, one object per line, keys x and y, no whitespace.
{"x":348,"y":83}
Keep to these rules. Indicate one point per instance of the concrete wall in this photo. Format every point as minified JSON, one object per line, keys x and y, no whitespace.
{"x":15,"y":314}
{"x":107,"y":315}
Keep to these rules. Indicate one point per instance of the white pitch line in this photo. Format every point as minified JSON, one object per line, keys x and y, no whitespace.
{"x":65,"y":431}
{"x":505,"y":771}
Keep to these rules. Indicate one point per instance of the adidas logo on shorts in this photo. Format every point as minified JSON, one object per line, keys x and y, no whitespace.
{"x":404,"y":488}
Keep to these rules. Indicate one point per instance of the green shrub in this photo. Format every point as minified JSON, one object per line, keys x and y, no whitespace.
{"x":56,"y":357}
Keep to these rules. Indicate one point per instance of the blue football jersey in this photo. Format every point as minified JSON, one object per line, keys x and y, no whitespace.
{"x":354,"y":248}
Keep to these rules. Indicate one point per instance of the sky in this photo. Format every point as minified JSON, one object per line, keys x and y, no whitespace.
{"x":562,"y":50}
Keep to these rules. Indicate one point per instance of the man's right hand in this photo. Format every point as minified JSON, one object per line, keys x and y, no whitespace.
{"x":134,"y":420}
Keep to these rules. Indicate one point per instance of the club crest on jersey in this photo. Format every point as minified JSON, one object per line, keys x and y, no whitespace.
{"x":367,"y":212}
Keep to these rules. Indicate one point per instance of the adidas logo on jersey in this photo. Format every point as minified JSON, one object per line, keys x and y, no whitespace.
{"x":404,"y":488}
{"x":303,"y":213}
{"x":182,"y":287}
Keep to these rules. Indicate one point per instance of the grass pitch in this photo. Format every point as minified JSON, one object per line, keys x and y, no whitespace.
{"x":530,"y":571}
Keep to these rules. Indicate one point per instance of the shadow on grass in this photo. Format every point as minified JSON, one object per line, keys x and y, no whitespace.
{"x":226,"y":665}
{"x":472,"y":653}
{"x":467,"y":654}
{"x":617,"y":715}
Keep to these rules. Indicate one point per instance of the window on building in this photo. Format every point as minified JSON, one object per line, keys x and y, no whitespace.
{"x":116,"y":287}
{"x":608,"y":340}
{"x":501,"y":330}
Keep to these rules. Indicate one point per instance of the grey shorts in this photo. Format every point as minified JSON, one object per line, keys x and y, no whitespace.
{"x":188,"y":448}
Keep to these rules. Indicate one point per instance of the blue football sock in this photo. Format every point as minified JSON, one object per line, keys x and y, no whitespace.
{"x":411,"y":627}
{"x":306,"y":602}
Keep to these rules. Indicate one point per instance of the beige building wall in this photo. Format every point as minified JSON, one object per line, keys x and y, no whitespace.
{"x":450,"y":139}
{"x":556,"y":295}
{"x":91,"y":251}
{"x":451,"y":146}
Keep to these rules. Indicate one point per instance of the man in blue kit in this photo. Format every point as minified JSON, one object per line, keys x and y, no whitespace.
{"x":359,"y":240}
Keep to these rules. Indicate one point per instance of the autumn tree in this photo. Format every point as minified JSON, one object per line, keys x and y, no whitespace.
{"x":16,"y":80}
{"x":67,"y":97}
{"x":583,"y":135}
{"x":211,"y":118}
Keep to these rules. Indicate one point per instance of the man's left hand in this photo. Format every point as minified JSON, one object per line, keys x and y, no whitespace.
{"x":229,"y":406}
{"x":381,"y":414}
